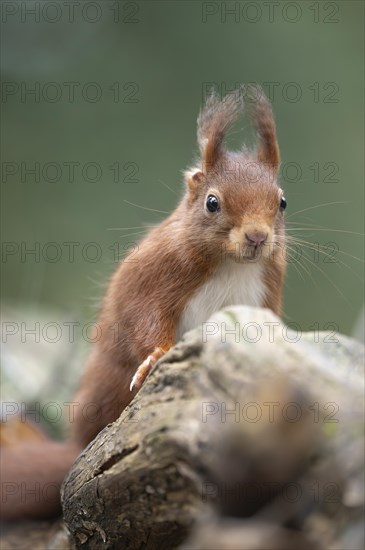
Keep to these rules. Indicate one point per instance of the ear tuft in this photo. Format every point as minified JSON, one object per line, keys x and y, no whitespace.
{"x":263,"y":120}
{"x":213,"y":122}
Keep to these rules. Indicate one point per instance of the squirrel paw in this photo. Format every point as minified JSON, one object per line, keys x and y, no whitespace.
{"x":143,"y":370}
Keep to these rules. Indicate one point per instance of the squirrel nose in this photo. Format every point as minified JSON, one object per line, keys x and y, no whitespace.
{"x":256,"y":238}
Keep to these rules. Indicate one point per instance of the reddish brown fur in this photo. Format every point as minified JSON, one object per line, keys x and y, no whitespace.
{"x":149,"y":290}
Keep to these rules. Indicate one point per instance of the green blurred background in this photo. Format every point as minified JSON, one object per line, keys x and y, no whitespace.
{"x":138,"y":71}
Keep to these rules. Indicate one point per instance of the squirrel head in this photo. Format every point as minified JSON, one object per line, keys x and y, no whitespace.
{"x":234,"y":197}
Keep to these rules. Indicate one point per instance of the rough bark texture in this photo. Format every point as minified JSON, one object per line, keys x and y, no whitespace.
{"x":241,"y":438}
{"x":232,"y":442}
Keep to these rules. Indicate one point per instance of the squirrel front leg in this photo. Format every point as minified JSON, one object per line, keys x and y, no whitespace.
{"x":160,"y":343}
{"x":274,"y":279}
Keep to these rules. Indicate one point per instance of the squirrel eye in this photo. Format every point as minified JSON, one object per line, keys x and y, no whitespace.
{"x":212,"y":203}
{"x":282,"y":203}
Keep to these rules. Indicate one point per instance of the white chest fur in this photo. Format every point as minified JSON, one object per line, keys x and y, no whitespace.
{"x":232,"y":284}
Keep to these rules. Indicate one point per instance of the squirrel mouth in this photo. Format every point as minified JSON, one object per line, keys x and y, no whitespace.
{"x":247,"y":253}
{"x":251,"y":254}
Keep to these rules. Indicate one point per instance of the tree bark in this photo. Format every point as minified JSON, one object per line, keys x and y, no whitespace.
{"x":245,"y":435}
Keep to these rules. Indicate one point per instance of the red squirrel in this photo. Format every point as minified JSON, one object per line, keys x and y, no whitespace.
{"x":223,"y":245}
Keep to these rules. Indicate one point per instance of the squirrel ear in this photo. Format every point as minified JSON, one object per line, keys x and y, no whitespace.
{"x":263,"y":120}
{"x":194,"y":178}
{"x":213,"y":122}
